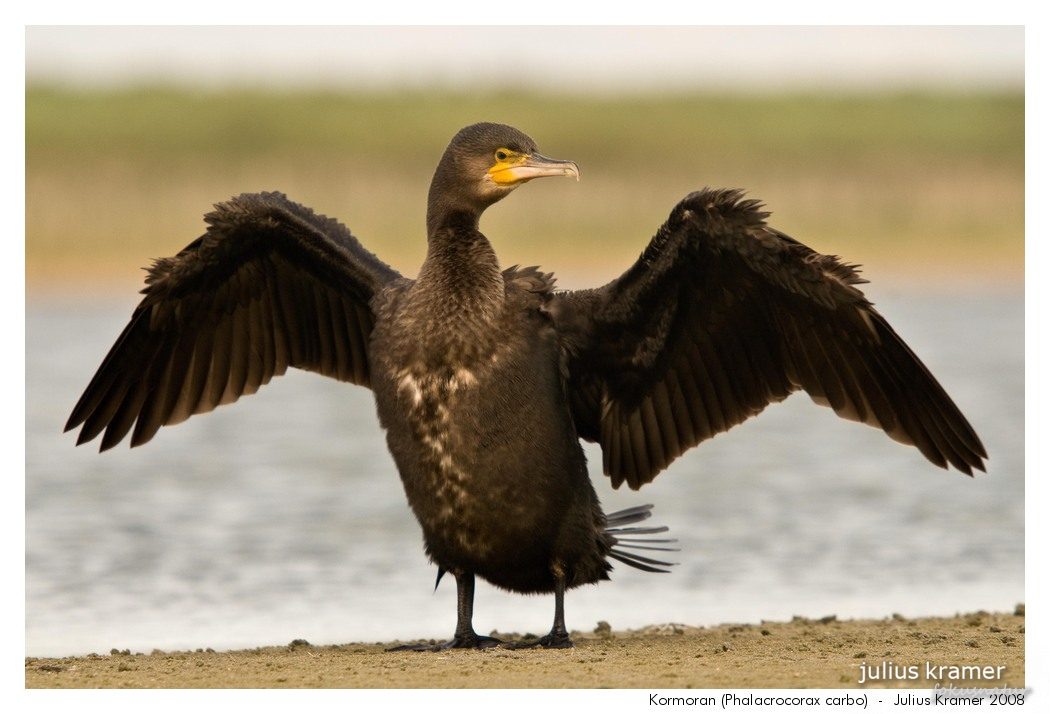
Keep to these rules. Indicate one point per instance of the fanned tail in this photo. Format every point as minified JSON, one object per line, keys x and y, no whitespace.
{"x":618,"y":528}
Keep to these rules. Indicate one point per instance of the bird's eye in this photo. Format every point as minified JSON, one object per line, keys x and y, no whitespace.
{"x":502,"y":155}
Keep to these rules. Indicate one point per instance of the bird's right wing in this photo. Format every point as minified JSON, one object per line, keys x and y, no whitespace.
{"x":270,"y":285}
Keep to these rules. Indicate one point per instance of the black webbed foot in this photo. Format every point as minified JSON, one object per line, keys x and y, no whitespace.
{"x":558,"y":637}
{"x":469,"y":642}
{"x":553,"y":641}
{"x":465,"y":638}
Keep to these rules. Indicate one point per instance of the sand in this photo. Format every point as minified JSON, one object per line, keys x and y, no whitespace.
{"x":825,"y":653}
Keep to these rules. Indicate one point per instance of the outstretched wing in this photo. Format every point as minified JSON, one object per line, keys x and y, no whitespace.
{"x":270,"y":285}
{"x":723,"y":315}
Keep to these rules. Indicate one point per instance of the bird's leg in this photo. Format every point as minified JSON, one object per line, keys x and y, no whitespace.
{"x":559,"y":635}
{"x":558,"y":638}
{"x":465,"y":637}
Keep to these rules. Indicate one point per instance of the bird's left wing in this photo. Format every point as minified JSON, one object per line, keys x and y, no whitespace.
{"x":723,"y":315}
{"x":270,"y":285}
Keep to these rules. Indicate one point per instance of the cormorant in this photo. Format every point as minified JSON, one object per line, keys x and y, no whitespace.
{"x":486,"y":379}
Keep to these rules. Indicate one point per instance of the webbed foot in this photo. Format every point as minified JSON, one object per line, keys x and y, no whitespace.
{"x":469,"y":642}
{"x":553,"y":641}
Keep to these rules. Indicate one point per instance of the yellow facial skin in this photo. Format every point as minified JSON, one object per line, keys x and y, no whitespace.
{"x":514,"y":167}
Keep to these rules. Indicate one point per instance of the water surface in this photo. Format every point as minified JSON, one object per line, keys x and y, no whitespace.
{"x":282,"y":516}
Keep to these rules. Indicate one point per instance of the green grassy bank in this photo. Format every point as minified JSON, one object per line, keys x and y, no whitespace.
{"x":906,"y":182}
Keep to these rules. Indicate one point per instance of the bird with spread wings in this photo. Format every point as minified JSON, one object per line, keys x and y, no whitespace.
{"x":487,"y":378}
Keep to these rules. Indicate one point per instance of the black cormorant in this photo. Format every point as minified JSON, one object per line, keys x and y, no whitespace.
{"x":486,"y":379}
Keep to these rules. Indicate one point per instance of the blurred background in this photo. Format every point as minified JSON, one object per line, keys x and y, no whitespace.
{"x":898,"y":148}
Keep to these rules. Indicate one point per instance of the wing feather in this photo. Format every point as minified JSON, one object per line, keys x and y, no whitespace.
{"x":270,"y":285}
{"x":723,"y":315}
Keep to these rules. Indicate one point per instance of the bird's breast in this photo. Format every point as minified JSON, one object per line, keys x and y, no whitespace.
{"x":474,"y":429}
{"x":420,"y":387}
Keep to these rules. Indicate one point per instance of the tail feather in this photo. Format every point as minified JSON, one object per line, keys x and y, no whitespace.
{"x":630,"y":544}
{"x":623,"y":537}
{"x":628,"y":516}
{"x":639,"y":531}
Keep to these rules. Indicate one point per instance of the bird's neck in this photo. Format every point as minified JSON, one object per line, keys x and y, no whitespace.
{"x":442,"y":220}
{"x":461,"y":272}
{"x":451,"y":205}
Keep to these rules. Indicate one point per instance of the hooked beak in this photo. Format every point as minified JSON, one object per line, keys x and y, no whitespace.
{"x":525,"y":167}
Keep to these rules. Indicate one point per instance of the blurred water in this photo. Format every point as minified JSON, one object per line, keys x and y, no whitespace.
{"x":282,"y":517}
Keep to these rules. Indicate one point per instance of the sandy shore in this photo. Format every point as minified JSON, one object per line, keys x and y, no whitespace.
{"x":825,"y":653}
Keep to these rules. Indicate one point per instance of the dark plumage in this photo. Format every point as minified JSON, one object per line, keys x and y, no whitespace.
{"x":486,"y":379}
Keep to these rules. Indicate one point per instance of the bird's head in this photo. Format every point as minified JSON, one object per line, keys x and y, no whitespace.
{"x":483,"y":163}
